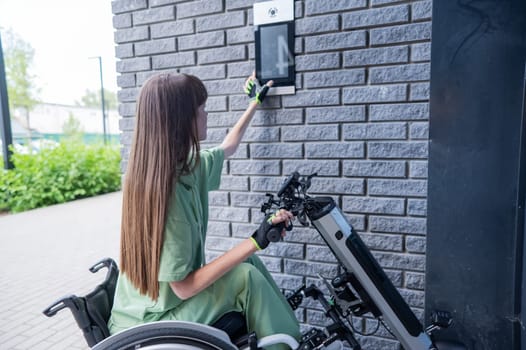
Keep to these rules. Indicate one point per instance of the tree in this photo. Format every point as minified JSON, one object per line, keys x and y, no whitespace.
{"x":72,"y":129}
{"x":18,"y":57}
{"x":92,"y":98}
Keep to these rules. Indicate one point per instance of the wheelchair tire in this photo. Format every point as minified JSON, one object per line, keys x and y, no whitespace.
{"x":168,"y":335}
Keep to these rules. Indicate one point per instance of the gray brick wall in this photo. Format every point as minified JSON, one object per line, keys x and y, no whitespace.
{"x":359,"y":118}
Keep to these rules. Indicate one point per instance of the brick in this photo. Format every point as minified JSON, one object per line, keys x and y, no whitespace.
{"x":413,"y":298}
{"x":217,"y":198}
{"x":337,"y":41}
{"x":209,"y":72}
{"x":262,"y":134}
{"x":127,"y":109}
{"x":357,"y":204}
{"x":419,"y":130}
{"x":246,"y":199}
{"x":119,"y":6}
{"x":240,"y":35}
{"x":273,"y":117}
{"x":383,"y":2}
{"x":124,"y":51}
{"x":402,"y":111}
{"x":266,"y":184}
{"x":336,"y":186}
{"x":414,"y":280}
{"x":239,"y":4}
{"x":222,"y":54}
{"x":334,"y":78}
{"x":335,"y":114}
{"x":415,"y":244}
{"x":203,"y":40}
{"x":155,"y":3}
{"x":122,"y":21}
{"x":370,"y":94}
{"x":421,"y":10}
{"x":317,"y":7}
{"x":317,"y":24}
{"x":173,"y":60}
{"x":228,"y":214}
{"x":418,"y":169}
{"x":417,"y":207}
{"x":306,"y":167}
{"x":143,"y":76}
{"x":170,"y":29}
{"x":251,"y":167}
{"x":222,"y":21}
{"x":401,"y":34}
{"x":276,"y":150}
{"x":334,"y":150}
{"x":320,"y":253}
{"x":406,"y":188}
{"x":224,"y":86}
{"x":234,"y":183}
{"x":419,"y":91}
{"x":406,"y":150}
{"x":155,"y":47}
{"x":411,"y":262}
{"x":199,"y":8}
{"x":385,"y":242}
{"x":375,"y":17}
{"x":309,"y":133}
{"x":286,"y":250}
{"x":133,"y":65}
{"x":159,"y":14}
{"x":316,"y":62}
{"x":240,"y":69}
{"x":399,"y":73}
{"x":303,"y":268}
{"x":421,"y":52}
{"x":416,"y":226}
{"x":376,"y":56}
{"x":126,"y":124}
{"x":371,"y":168}
{"x":321,"y":97}
{"x":375,"y":131}
{"x":131,"y":35}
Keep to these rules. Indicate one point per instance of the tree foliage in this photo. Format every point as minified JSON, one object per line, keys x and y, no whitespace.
{"x":92,"y":98}
{"x":18,"y":57}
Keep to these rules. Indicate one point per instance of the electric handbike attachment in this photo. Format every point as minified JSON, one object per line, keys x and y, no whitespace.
{"x":363,"y":288}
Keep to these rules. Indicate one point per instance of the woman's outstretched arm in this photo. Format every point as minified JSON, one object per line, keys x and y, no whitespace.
{"x":233,"y":138}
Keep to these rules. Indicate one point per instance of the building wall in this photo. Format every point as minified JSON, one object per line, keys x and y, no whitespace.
{"x":359,"y":119}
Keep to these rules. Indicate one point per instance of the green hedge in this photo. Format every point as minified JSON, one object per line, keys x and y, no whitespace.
{"x":57,"y":175}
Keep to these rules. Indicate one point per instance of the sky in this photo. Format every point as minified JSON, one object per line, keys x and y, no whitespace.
{"x":64,"y":35}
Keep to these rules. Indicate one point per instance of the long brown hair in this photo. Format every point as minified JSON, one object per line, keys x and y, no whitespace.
{"x":165,"y":146}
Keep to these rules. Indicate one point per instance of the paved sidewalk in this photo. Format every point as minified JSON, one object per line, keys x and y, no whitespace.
{"x":44,"y":255}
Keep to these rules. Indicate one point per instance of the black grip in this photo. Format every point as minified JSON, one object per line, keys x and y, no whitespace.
{"x":274,"y":234}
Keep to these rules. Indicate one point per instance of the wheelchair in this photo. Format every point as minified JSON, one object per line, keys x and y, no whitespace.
{"x":362,"y":288}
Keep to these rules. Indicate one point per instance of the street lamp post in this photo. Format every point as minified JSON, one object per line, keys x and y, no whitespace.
{"x":5,"y":125}
{"x":102,"y":99}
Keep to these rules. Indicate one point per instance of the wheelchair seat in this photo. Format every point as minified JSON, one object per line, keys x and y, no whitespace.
{"x":92,"y":311}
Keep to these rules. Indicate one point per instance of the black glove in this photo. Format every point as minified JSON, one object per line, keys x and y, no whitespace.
{"x":267,"y":232}
{"x":254,"y":93}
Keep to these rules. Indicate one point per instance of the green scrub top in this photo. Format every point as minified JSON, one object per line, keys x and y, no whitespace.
{"x":183,"y":250}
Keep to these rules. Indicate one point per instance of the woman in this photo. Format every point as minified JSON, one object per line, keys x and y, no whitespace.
{"x":164,"y":275}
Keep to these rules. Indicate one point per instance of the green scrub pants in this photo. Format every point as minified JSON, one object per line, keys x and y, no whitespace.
{"x":248,"y":288}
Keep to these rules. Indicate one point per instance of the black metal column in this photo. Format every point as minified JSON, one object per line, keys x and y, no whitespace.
{"x":5,"y":125}
{"x":475,"y":242}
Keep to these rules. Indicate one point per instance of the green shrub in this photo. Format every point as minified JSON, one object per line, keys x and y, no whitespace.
{"x":57,"y":175}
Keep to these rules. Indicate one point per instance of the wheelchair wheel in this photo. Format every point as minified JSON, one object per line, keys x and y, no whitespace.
{"x":168,"y":335}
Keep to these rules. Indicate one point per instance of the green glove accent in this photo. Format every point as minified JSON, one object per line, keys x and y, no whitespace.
{"x":251,"y":90}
